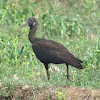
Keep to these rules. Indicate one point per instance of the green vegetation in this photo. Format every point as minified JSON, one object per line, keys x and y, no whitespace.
{"x":75,"y":24}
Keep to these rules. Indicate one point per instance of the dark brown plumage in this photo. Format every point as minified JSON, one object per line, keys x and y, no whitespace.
{"x":48,"y":51}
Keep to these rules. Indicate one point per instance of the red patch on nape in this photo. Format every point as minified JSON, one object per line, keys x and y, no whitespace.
{"x":35,"y":17}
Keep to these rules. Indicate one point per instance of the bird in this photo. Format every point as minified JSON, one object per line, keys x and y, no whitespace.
{"x":49,"y":51}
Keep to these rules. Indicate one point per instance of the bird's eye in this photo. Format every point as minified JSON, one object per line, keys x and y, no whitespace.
{"x":31,"y":19}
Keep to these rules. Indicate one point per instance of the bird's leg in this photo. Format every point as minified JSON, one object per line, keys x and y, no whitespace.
{"x":67,"y":72}
{"x":46,"y":67}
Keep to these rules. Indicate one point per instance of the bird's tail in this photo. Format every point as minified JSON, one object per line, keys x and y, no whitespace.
{"x":77,"y":63}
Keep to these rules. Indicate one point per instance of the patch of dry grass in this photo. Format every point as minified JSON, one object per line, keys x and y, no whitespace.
{"x":58,"y":93}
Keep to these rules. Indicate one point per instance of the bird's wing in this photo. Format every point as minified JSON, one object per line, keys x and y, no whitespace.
{"x":52,"y":50}
{"x":52,"y":45}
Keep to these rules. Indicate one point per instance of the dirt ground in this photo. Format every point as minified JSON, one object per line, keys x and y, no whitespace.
{"x":59,"y":93}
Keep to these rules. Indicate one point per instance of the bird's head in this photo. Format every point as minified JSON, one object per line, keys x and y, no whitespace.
{"x":32,"y":22}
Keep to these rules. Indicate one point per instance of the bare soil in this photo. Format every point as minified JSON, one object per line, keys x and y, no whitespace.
{"x":59,"y":93}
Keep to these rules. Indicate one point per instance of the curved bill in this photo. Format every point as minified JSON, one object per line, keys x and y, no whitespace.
{"x":23,"y":25}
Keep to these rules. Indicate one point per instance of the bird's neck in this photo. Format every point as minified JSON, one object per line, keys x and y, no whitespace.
{"x":32,"y":34}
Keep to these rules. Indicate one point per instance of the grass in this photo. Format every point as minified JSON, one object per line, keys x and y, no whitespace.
{"x":73,"y":24}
